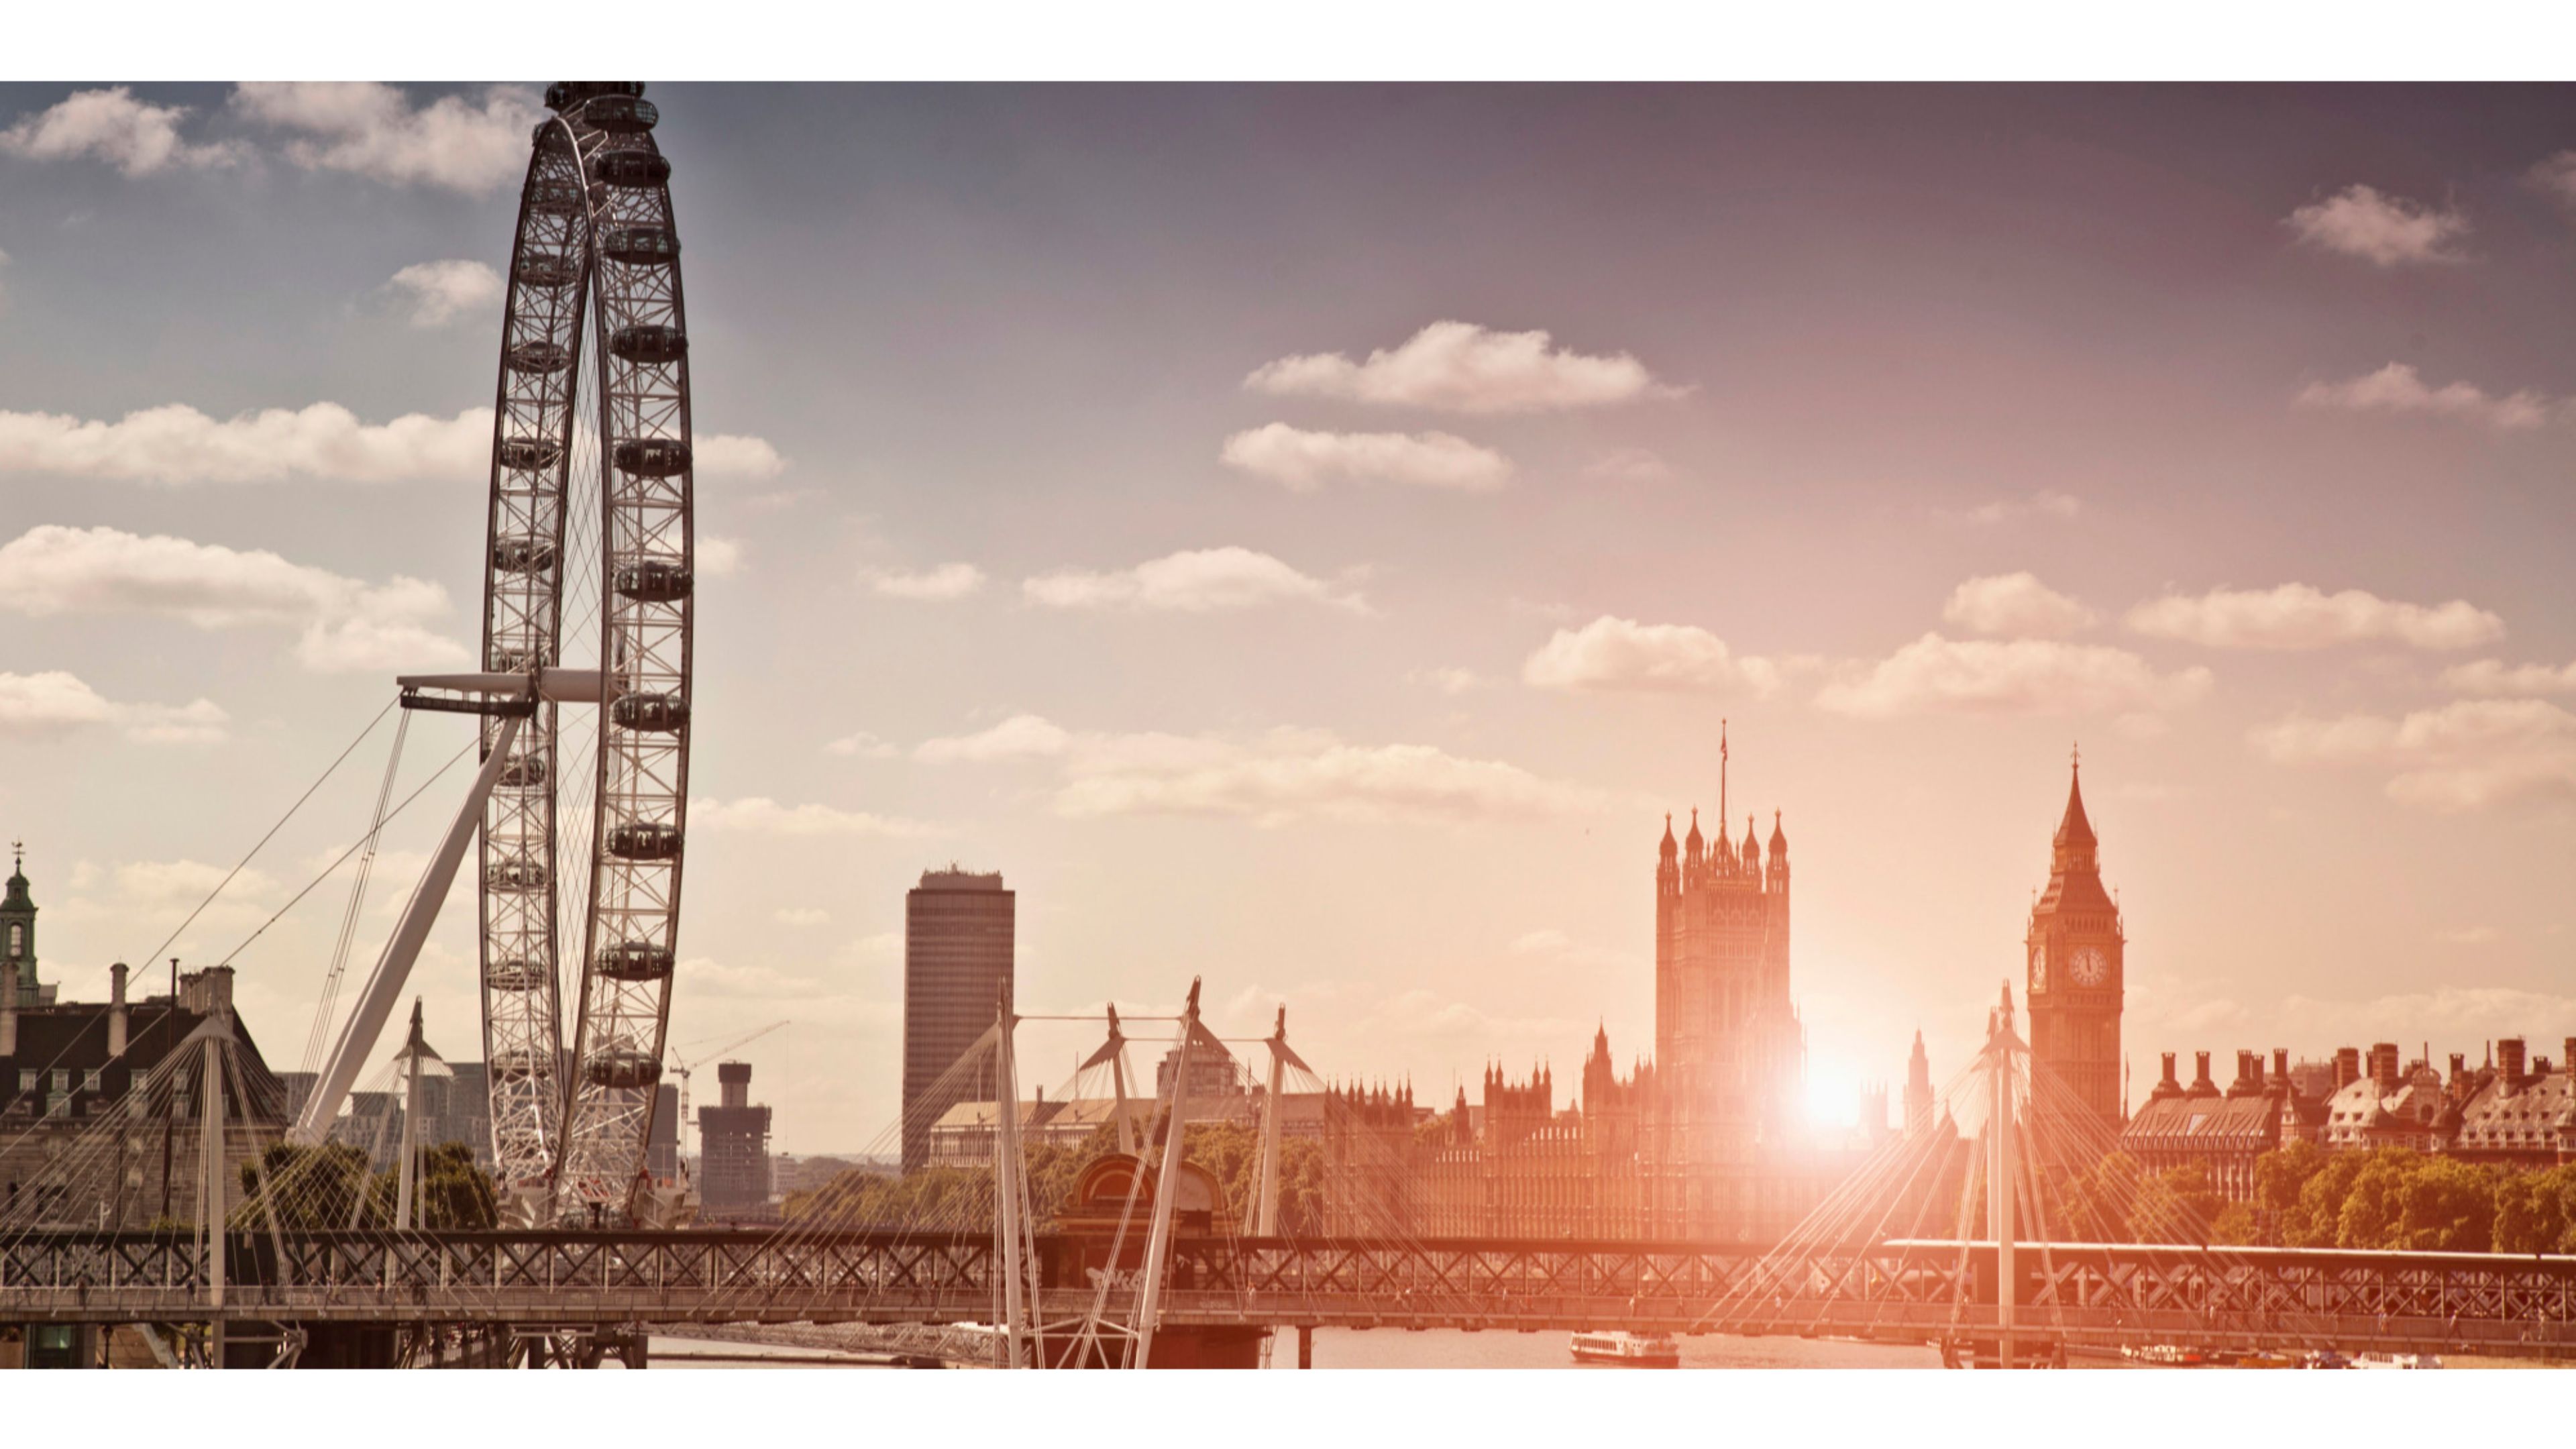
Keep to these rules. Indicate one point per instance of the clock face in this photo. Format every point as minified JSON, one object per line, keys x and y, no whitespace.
{"x":2038,"y":967}
{"x":2089,"y":967}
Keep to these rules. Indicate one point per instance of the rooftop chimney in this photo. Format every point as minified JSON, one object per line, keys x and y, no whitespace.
{"x":2244,"y":1085}
{"x":2167,"y":1086}
{"x":2383,"y":1067}
{"x":2281,"y":1067}
{"x":2509,"y":1060}
{"x":2201,"y":1085}
{"x":116,"y":1011}
{"x":2347,"y":1067}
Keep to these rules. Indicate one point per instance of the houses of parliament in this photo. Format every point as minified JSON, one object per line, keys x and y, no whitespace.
{"x":1704,"y":1141}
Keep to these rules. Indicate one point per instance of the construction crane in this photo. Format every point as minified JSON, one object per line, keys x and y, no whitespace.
{"x":682,"y":1069}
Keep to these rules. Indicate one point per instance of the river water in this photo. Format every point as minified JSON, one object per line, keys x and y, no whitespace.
{"x":1394,"y":1348}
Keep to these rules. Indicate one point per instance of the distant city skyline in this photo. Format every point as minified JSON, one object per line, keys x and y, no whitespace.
{"x":1308,"y":539}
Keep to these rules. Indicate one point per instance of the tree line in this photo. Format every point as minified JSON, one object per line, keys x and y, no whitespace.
{"x":2393,"y":1198}
{"x":962,"y":1197}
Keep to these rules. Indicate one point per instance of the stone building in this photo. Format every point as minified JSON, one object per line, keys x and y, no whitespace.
{"x":2515,"y":1111}
{"x":2077,"y":952}
{"x":1705,"y":1141}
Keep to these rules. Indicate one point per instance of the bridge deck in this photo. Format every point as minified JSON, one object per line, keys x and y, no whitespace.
{"x":2080,"y":1294}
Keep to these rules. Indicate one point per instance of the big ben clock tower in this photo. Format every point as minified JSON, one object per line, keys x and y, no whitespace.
{"x":2076,"y":974}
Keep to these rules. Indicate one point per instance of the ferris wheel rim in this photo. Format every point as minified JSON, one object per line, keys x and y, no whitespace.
{"x":572,"y":1117}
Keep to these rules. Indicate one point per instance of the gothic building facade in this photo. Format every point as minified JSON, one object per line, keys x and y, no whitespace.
{"x":1700,"y":1142}
{"x":2078,"y":975}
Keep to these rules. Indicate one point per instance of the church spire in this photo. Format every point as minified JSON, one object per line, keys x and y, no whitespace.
{"x":2075,"y":829}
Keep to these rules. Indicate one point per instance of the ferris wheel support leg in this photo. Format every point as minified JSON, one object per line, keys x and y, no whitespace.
{"x":367,"y":1022}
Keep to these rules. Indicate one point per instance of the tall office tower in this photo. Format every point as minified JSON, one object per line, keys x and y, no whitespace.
{"x":957,"y":941}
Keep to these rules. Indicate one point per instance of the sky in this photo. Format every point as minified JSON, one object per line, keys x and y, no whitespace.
{"x":1307,"y":539}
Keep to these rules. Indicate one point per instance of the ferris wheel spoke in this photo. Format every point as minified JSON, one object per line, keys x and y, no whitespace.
{"x":590,"y":566}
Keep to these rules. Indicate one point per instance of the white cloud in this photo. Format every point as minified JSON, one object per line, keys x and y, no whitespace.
{"x":347,"y":623}
{"x":374,"y":130}
{"x":1461,"y":367}
{"x":1448,"y":679}
{"x":136,"y":137}
{"x":175,"y":443}
{"x":717,"y":558}
{"x":1629,"y":465}
{"x":2492,"y":676}
{"x":2453,"y":1017}
{"x":53,"y":704}
{"x":720,"y":978}
{"x":1288,"y":775}
{"x":947,"y":581}
{"x":1558,"y":947}
{"x":1192,"y":581}
{"x":2556,"y":177}
{"x":2464,"y":755}
{"x":2016,"y":604}
{"x":726,"y":455}
{"x":2385,"y":230}
{"x":2397,"y":388}
{"x":1305,"y":461}
{"x":801,"y":916}
{"x":150,"y":883}
{"x":862,"y":745}
{"x":1614,"y":654}
{"x":2045,"y":503}
{"x":1021,"y":737}
{"x":1934,"y":675}
{"x":760,"y":815}
{"x":2298,"y":616}
{"x":437,"y":293}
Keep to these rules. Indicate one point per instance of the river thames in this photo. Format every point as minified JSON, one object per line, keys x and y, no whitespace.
{"x":1338,"y":1348}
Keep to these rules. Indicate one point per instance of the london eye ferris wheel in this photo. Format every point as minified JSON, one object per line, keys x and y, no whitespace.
{"x":589,"y":566}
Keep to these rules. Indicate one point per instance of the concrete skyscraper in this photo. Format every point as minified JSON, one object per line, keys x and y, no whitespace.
{"x":958,"y":934}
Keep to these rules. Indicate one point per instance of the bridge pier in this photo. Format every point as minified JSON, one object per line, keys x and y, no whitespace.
{"x":1305,"y":1345}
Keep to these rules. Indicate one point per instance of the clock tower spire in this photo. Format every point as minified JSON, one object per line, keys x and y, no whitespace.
{"x":2078,"y":978}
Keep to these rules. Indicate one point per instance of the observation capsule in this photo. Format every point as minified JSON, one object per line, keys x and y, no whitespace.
{"x":566,"y":95}
{"x":646,"y":841}
{"x":659,"y":713}
{"x":554,"y":196}
{"x":651,"y":457}
{"x":518,"y":1064}
{"x":514,"y":974}
{"x":521,"y":555}
{"x":654,"y":580}
{"x":540,"y":357}
{"x":513,"y":661}
{"x":630,"y":167}
{"x":523,"y":772}
{"x":529,"y":455}
{"x":516,"y":875}
{"x":622,"y":1069}
{"x":640,"y":246}
{"x":634,"y":961}
{"x":548,"y":269}
{"x":651,"y":343}
{"x":621,"y":115}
